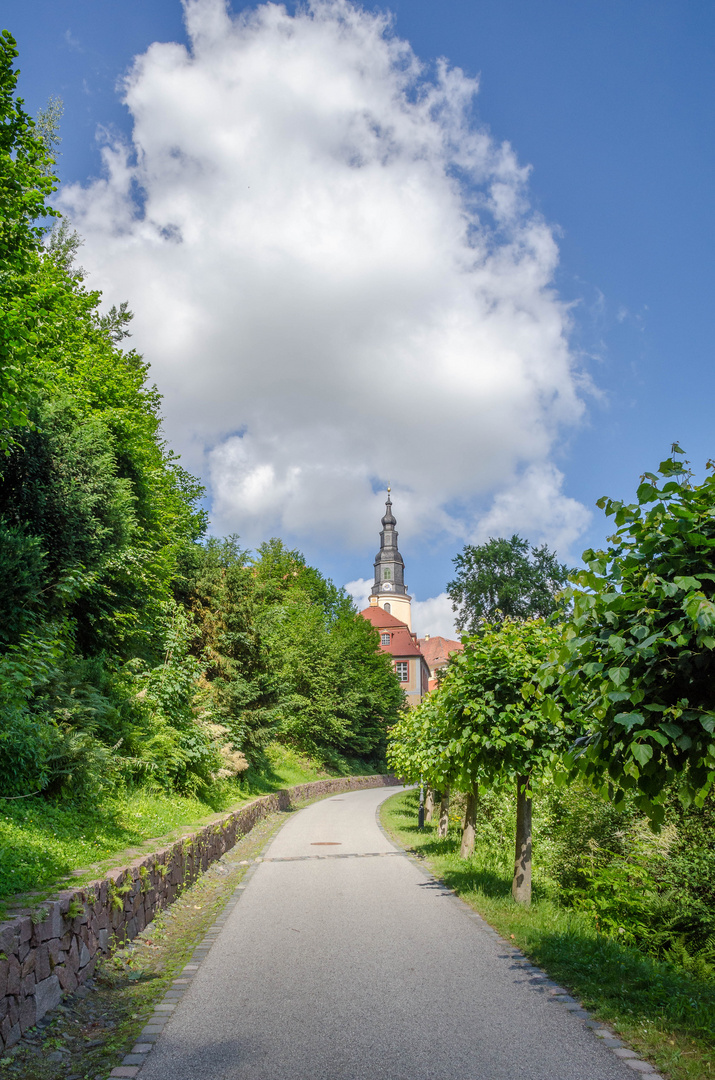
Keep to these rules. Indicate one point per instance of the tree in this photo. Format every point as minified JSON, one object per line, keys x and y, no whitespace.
{"x":638,"y":655}
{"x":504,"y":579}
{"x":25,"y":184}
{"x":485,"y":726}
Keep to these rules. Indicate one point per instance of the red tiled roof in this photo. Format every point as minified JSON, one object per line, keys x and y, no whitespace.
{"x":402,"y":640}
{"x":436,"y":650}
{"x":378,"y":617}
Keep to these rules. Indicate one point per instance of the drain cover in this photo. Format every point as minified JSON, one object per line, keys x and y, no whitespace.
{"x":326,"y":843}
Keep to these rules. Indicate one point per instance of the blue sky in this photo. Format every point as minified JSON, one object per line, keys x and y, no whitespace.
{"x":611,"y":105}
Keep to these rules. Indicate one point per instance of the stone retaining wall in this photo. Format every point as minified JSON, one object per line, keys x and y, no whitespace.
{"x":52,"y":950}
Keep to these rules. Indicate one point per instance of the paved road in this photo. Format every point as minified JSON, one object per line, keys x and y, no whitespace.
{"x":361,"y":968}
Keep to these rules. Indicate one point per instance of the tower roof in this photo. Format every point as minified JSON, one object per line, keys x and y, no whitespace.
{"x":388,"y":518}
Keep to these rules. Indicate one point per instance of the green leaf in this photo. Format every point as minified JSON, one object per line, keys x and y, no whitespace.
{"x":642,"y":752}
{"x":618,"y":675}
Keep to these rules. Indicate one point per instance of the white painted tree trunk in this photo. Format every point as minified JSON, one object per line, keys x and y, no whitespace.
{"x":470,"y":825}
{"x":429,"y":805}
{"x":521,"y":885}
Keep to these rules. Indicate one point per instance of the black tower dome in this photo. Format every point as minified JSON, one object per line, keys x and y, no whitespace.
{"x":389,"y":565}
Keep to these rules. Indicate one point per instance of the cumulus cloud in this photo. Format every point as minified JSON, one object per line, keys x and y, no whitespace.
{"x":535,"y":506}
{"x":337,"y":278}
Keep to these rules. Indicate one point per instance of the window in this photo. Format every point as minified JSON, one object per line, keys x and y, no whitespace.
{"x":384,"y":639}
{"x":387,"y":608}
{"x":387,"y":574}
{"x":402,"y":670}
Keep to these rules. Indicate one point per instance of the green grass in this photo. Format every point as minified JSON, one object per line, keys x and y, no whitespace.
{"x":664,"y":1012}
{"x":43,"y":844}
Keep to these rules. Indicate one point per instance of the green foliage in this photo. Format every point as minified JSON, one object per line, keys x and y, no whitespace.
{"x":25,"y":183}
{"x":484,"y":724}
{"x":286,"y":653}
{"x":503,"y":579}
{"x":638,"y":657}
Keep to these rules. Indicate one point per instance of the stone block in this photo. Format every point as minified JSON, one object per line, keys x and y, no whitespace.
{"x":14,"y":972}
{"x":68,"y":979}
{"x":53,"y":951}
{"x":73,"y":956}
{"x":13,"y":1009}
{"x":27,"y":985}
{"x":84,"y":955}
{"x":103,"y":940}
{"x":51,"y":926}
{"x":23,"y":950}
{"x":14,"y":1035}
{"x":3,"y":1007}
{"x":24,"y":928}
{"x":28,"y":1015}
{"x":88,"y":971}
{"x":42,"y":962}
{"x":3,"y":978}
{"x":48,"y":995}
{"x":132,"y":928}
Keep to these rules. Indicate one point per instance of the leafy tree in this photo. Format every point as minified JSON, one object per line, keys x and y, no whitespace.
{"x":25,"y":184}
{"x":285,"y":654}
{"x":485,"y":726}
{"x":504,"y":579}
{"x":638,"y":655}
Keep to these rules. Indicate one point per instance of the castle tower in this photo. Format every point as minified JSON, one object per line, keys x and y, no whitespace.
{"x":389,"y":591}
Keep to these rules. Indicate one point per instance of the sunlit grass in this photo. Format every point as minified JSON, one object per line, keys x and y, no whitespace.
{"x":663,"y":1011}
{"x":43,"y":842}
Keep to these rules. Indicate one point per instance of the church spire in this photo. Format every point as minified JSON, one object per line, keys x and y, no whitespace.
{"x":389,"y":589}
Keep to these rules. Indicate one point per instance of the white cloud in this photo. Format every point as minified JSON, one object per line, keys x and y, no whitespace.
{"x":336,"y":275}
{"x":434,"y":617}
{"x":535,"y":507}
{"x":360,"y":591}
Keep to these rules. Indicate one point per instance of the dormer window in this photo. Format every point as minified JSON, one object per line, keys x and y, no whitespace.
{"x":384,"y":639}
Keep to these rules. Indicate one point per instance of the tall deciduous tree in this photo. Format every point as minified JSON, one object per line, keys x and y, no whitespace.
{"x":504,"y":579}
{"x":485,"y":726}
{"x":638,"y":656}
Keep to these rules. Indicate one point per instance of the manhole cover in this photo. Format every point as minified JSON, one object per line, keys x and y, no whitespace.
{"x":326,"y":843}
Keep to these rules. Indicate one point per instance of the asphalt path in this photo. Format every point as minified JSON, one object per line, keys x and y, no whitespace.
{"x":343,"y":960}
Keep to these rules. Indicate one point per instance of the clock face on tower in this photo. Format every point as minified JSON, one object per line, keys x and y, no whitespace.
{"x":387,"y":586}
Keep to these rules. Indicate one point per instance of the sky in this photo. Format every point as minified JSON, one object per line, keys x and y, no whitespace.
{"x":464,"y":248}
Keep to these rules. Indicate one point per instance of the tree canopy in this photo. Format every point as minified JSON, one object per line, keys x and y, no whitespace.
{"x":638,"y":655}
{"x":504,"y":579}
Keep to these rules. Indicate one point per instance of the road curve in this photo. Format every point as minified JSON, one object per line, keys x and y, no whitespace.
{"x":344,"y":961}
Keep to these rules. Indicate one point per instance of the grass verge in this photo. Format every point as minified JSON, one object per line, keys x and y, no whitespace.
{"x":87,"y":1036}
{"x":663,"y":1012}
{"x":46,"y":846}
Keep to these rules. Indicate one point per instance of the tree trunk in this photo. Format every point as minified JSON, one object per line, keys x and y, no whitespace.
{"x":444,"y":815}
{"x":469,"y":826}
{"x":521,"y":886}
{"x":429,"y":805}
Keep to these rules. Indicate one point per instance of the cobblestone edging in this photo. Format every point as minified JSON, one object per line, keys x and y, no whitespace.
{"x":52,"y":950}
